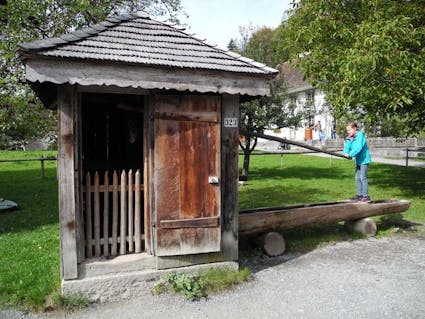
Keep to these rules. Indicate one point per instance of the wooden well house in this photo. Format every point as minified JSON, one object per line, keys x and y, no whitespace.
{"x":147,"y":142}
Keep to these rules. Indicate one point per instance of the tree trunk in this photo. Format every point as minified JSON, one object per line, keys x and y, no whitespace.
{"x":246,"y":158}
{"x":268,"y":219}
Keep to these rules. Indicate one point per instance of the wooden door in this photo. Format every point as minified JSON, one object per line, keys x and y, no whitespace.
{"x":187,"y":174}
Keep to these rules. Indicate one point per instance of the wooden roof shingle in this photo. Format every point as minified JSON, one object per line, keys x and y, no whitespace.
{"x":137,"y":38}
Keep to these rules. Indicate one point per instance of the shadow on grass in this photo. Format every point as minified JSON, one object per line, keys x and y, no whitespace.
{"x":36,"y":198}
{"x":409,"y":180}
{"x":256,"y":197}
{"x":299,"y":172}
{"x":395,"y":221}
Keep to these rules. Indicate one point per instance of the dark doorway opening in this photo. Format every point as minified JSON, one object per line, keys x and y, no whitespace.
{"x":112,"y":132}
{"x":112,"y":181}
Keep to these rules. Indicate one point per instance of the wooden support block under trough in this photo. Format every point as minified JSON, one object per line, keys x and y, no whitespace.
{"x":366,"y":226}
{"x":273,"y":243}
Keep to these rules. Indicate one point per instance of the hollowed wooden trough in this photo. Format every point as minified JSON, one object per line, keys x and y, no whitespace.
{"x":269,"y":220}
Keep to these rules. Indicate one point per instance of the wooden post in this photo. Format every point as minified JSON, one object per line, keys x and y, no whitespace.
{"x":407,"y":157}
{"x":42,"y":166}
{"x":229,"y":177}
{"x":67,"y":102}
{"x":366,"y":226}
{"x":89,"y":237}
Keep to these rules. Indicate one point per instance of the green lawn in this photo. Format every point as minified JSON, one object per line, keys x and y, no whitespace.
{"x":29,"y":237}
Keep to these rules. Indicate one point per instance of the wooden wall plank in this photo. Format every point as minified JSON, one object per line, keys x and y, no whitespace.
{"x":182,"y":188}
{"x":78,"y":180}
{"x":67,"y":104}
{"x":148,"y":153}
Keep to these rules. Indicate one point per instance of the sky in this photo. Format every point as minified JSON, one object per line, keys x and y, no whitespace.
{"x":218,"y":21}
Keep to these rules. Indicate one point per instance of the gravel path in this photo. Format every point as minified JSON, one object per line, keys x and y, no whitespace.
{"x":369,"y":278}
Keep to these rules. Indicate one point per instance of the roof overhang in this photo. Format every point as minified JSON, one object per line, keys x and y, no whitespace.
{"x":84,"y":73}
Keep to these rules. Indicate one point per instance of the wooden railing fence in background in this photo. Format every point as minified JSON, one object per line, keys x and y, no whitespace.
{"x":106,"y":228}
{"x":41,"y":159}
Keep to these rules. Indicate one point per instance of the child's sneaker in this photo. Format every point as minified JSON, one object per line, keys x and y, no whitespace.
{"x":365,"y":199}
{"x":356,"y":198}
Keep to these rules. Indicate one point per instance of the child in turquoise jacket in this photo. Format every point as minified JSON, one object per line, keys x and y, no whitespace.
{"x":356,"y":147}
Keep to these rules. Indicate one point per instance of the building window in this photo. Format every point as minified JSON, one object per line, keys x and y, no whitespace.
{"x":310,"y":96}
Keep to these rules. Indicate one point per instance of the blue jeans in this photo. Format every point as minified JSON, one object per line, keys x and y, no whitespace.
{"x":362,"y":187}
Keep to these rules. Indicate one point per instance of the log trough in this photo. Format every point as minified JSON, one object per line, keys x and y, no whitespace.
{"x":268,"y":221}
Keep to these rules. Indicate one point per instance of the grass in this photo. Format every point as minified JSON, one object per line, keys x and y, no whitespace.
{"x":295,"y":179}
{"x":29,"y":236}
{"x":200,"y":285}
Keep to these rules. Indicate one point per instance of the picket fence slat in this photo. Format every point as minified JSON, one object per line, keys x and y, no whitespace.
{"x":106,"y":215}
{"x":137,"y":214}
{"x":88,"y":227}
{"x":104,"y":232}
{"x":115,"y":214}
{"x":96,"y":216}
{"x":130,"y":212}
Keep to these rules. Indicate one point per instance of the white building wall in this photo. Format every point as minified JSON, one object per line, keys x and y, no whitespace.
{"x":322,"y":114}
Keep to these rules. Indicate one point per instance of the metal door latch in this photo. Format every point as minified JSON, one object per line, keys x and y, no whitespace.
{"x":213,"y":179}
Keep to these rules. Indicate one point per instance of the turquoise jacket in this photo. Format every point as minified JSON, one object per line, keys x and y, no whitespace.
{"x":357,"y":148}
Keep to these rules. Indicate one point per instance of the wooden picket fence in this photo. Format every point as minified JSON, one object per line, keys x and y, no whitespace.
{"x":118,"y":228}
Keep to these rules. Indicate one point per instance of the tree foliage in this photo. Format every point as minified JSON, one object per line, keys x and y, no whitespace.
{"x":265,"y":112}
{"x":368,"y":56}
{"x":27,"y":20}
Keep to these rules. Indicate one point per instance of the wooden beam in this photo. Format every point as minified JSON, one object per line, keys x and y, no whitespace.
{"x":144,"y":77}
{"x":190,"y":223}
{"x":67,"y":209}
{"x":229,"y":180}
{"x":284,"y":140}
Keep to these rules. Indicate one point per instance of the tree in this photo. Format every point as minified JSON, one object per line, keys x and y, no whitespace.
{"x":26,"y":20}
{"x":260,"y":47}
{"x":367,"y":56}
{"x":232,"y":45}
{"x":265,"y":112}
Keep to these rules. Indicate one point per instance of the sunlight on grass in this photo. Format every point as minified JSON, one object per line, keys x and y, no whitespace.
{"x":311,"y":179}
{"x":29,"y":236}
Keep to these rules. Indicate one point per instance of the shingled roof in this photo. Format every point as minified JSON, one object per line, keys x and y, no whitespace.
{"x":137,"y":38}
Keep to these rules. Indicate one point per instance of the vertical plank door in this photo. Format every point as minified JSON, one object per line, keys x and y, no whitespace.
{"x":187,"y":174}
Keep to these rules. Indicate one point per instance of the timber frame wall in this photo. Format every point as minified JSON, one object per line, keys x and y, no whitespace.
{"x":70,"y":181}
